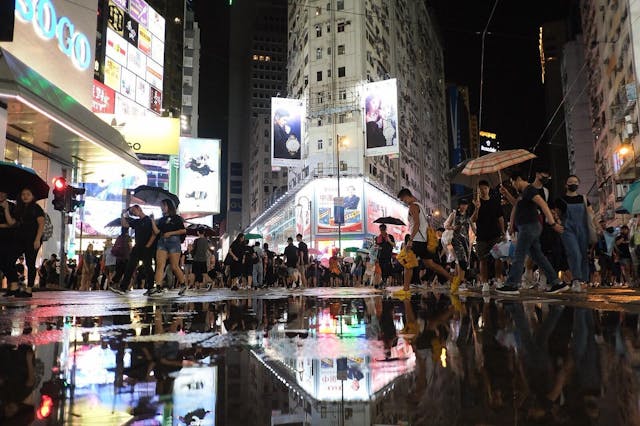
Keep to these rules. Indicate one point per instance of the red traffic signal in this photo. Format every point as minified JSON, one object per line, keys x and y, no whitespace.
{"x":59,"y":183}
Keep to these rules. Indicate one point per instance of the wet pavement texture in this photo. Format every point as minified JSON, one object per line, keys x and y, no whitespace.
{"x":320,"y":357}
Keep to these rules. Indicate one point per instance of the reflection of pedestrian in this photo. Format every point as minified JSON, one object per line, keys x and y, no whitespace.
{"x":352,"y":200}
{"x":285,"y":143}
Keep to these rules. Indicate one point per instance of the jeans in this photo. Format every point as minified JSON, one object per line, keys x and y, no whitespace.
{"x":529,"y":243}
{"x":575,"y":239}
{"x":138,"y":253}
{"x":257,"y":274}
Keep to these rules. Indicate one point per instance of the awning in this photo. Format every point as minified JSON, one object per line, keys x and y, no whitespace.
{"x":43,"y":116}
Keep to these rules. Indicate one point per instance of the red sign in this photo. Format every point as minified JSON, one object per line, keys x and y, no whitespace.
{"x":104,"y":99}
{"x":379,"y":205}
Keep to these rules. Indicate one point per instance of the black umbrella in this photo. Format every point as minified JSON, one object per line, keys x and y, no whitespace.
{"x":115,"y":223}
{"x":153,"y":195}
{"x":195,"y":227}
{"x":389,"y":221}
{"x":15,"y":178}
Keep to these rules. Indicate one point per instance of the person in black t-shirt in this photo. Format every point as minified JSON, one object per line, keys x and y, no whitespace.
{"x":385,"y":243}
{"x":8,"y":249}
{"x":143,"y":250}
{"x":30,"y":217}
{"x":490,"y":229}
{"x":529,"y":230}
{"x":623,"y":253}
{"x":291,"y":256}
{"x":303,"y":259}
{"x":247,"y":264}
{"x":169,"y":230}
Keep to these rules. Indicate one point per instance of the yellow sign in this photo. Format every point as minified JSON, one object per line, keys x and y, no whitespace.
{"x":112,"y":72}
{"x":147,"y":135}
{"x":488,"y":134}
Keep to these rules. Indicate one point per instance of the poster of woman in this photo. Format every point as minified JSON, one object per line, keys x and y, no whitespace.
{"x":380,"y":105}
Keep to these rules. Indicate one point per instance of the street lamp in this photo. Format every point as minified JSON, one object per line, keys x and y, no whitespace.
{"x":625,"y":149}
{"x":340,"y":141}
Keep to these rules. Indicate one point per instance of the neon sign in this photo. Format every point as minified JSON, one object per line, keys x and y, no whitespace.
{"x":42,"y":14}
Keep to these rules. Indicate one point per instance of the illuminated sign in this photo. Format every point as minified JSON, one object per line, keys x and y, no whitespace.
{"x":44,"y":17}
{"x":488,"y":143}
{"x":199,"y":186}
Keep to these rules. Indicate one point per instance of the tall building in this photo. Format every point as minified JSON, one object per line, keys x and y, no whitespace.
{"x":257,"y":72}
{"x":190,"y":73}
{"x":577,"y":123}
{"x":458,"y":130}
{"x":336,"y":48}
{"x":612,"y":57}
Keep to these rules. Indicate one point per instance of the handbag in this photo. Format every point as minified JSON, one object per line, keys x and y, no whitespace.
{"x":593,"y":234}
{"x":407,"y":258}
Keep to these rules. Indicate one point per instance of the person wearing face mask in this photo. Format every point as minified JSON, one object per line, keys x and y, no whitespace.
{"x":574,"y":212}
{"x":460,"y":222}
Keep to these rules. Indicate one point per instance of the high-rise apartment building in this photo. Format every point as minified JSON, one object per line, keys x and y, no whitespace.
{"x":612,"y":56}
{"x":458,"y":130}
{"x":190,"y":73}
{"x":336,"y":47}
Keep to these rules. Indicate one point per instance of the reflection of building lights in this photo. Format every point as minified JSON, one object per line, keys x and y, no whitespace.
{"x":443,"y":357}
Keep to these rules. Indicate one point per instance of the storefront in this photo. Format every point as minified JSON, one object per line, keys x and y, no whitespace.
{"x":310,"y":212}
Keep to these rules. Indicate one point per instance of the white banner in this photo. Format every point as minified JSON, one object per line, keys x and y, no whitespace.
{"x":199,"y":182}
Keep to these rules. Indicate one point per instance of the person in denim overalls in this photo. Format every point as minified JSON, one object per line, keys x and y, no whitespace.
{"x":574,"y":213}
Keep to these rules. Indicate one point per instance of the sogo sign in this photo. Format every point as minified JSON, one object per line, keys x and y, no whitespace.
{"x":48,"y":25}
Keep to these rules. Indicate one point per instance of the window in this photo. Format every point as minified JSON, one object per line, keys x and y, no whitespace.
{"x":320,"y":168}
{"x":341,"y":49}
{"x":274,"y":175}
{"x":329,"y":73}
{"x":340,"y":27}
{"x":319,"y":122}
{"x":342,"y":72}
{"x":319,"y":53}
{"x":340,"y":4}
{"x":319,"y":144}
{"x":328,"y":28}
{"x":343,"y":166}
{"x":319,"y":76}
{"x":266,"y":189}
{"x":318,"y":31}
{"x":342,"y":95}
{"x":318,"y":11}
{"x":342,"y":118}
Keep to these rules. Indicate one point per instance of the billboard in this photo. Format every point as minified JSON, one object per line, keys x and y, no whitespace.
{"x":488,"y":143}
{"x":351,"y":191}
{"x":56,"y":38}
{"x":199,"y":181}
{"x":133,"y":59}
{"x":380,"y":105}
{"x":145,"y":135}
{"x":380,"y":205}
{"x":194,"y":396}
{"x":287,"y":117}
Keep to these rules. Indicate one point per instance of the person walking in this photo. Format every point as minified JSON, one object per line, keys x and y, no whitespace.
{"x":30,"y":218}
{"x":235,"y":256}
{"x":8,"y":248}
{"x":88,"y":267}
{"x":460,"y":222}
{"x":575,"y":211}
{"x":623,"y":256}
{"x":109,"y":263}
{"x":490,"y":230}
{"x":292,"y":259}
{"x":142,"y":251}
{"x":303,"y":259}
{"x":201,"y":253}
{"x":258,"y":265}
{"x":385,"y":244}
{"x":418,"y":232}
{"x":269,"y":273}
{"x":247,"y":266}
{"x":528,"y":238}
{"x":169,"y":230}
{"x":186,"y":261}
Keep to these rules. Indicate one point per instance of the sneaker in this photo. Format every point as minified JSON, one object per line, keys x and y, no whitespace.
{"x":116,"y":290}
{"x":154,"y":291}
{"x":508,"y":290}
{"x":455,"y":284}
{"x":486,"y":288}
{"x":183,"y":290}
{"x":558,"y":288}
{"x":576,"y":287}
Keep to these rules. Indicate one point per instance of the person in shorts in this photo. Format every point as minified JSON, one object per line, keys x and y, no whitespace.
{"x":168,"y":230}
{"x":490,"y":230}
{"x":418,"y":224}
{"x":291,"y":255}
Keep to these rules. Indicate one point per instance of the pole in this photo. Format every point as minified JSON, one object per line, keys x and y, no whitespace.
{"x":63,"y":252}
{"x":339,"y":224}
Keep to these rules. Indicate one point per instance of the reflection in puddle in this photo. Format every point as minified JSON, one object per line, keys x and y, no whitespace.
{"x":317,"y":361}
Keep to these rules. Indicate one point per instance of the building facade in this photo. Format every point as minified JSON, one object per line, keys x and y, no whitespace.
{"x":190,"y":73}
{"x":458,"y":130}
{"x":611,"y":32}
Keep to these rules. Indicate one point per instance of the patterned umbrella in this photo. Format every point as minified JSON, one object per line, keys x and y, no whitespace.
{"x":496,"y":162}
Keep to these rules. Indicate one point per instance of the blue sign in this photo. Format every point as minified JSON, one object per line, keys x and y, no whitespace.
{"x":42,"y":14}
{"x":338,"y":210}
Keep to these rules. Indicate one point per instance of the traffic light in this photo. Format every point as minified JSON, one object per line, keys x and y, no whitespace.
{"x":59,"y":193}
{"x":71,"y":201}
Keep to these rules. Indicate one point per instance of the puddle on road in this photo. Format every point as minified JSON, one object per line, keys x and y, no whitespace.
{"x":302,"y":360}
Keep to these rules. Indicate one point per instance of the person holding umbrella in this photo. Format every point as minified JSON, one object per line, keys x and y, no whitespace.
{"x":169,"y":230}
{"x":30,"y":218}
{"x":7,"y":246}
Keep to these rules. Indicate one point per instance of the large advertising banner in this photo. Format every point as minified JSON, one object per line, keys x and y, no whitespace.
{"x":355,"y":388}
{"x":304,"y":206}
{"x":194,"y":396}
{"x":351,"y":191}
{"x":380,"y":105}
{"x":380,"y":205}
{"x":199,"y":182}
{"x":287,"y":117}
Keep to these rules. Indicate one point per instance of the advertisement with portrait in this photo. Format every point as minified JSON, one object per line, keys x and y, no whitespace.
{"x":194,"y":396}
{"x":380,"y":106}
{"x":304,"y":206}
{"x":287,"y":117}
{"x":355,"y":388}
{"x":380,"y":205}
{"x":56,"y":38}
{"x":199,"y":181}
{"x":351,"y":190}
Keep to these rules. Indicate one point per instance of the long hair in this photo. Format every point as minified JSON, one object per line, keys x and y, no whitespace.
{"x":22,"y":206}
{"x":171,"y":208}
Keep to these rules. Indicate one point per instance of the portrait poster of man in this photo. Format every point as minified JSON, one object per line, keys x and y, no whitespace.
{"x":287,"y":118}
{"x":380,"y":106}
